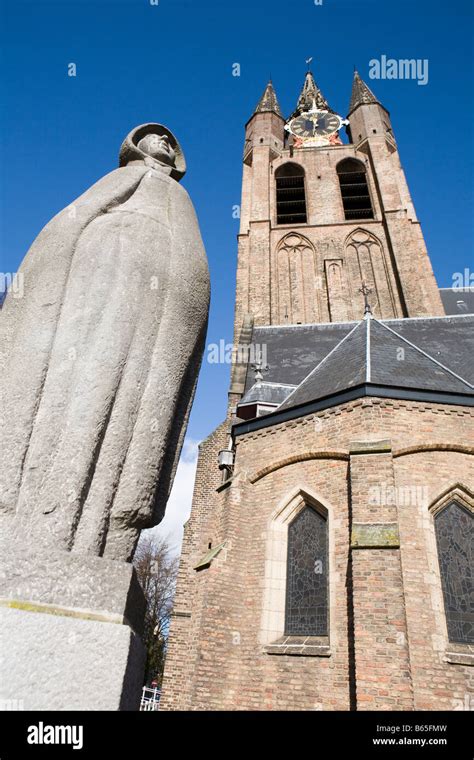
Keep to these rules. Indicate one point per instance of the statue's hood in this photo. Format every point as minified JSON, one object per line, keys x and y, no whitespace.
{"x":130,"y":151}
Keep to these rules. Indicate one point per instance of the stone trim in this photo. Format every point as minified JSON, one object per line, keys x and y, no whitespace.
{"x":375,"y":536}
{"x":272,"y":625}
{"x":459,"y":493}
{"x":306,"y":646}
{"x":455,"y":657}
{"x":370,"y":447}
{"x":451,"y":652}
{"x":206,"y":560}
{"x":294,"y":458}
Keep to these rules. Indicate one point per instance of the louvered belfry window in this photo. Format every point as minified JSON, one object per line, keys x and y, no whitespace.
{"x":454,"y":527}
{"x":290,"y":194}
{"x":307,"y":580}
{"x":354,"y":190}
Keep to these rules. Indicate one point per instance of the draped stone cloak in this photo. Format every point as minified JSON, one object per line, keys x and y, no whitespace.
{"x":100,"y":360}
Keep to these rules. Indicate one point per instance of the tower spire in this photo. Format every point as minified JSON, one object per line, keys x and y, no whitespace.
{"x":268,"y":101}
{"x":311,"y":94}
{"x":361,"y":93}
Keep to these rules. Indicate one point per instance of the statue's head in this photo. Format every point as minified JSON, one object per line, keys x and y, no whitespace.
{"x":159,"y":147}
{"x":154,"y":143}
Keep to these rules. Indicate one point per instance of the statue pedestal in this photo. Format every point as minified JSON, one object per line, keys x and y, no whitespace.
{"x":70,"y":629}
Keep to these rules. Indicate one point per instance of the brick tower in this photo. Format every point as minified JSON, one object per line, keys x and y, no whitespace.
{"x":325,"y":564}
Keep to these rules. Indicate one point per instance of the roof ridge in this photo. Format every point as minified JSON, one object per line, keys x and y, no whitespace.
{"x":424,"y":353}
{"x":333,"y":350}
{"x":352,"y":321}
{"x":368,"y":362}
{"x":270,"y":382}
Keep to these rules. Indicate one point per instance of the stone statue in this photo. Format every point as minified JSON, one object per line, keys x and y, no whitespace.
{"x":101,"y":357}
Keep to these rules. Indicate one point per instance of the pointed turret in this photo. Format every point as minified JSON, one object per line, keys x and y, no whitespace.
{"x":311,"y":94}
{"x":368,"y":118}
{"x":269,"y":101}
{"x":361,"y":93}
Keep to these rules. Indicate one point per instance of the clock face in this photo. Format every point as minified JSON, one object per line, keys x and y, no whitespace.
{"x":302,"y":126}
{"x":315,"y":127}
{"x":326,"y":123}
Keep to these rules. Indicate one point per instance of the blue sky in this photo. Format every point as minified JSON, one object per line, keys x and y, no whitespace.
{"x":172,"y":63}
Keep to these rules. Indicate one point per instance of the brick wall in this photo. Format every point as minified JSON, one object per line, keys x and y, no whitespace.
{"x":387,"y":645}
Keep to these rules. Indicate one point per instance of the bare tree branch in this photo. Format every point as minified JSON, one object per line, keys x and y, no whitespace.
{"x":157,"y":570}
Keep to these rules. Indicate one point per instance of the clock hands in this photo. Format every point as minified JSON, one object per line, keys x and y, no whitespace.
{"x":316,"y":125}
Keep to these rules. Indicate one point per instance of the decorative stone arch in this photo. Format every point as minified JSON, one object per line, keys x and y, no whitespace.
{"x":461,"y":497}
{"x":296,"y":277}
{"x":460,"y":448}
{"x":459,"y":492}
{"x":367,"y":262}
{"x":304,"y":456}
{"x":362,"y":234}
{"x":272,"y":627}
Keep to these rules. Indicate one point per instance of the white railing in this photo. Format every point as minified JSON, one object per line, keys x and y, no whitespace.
{"x":150,"y":698}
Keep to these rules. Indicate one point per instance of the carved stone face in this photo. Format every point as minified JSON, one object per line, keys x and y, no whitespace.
{"x":158,"y":147}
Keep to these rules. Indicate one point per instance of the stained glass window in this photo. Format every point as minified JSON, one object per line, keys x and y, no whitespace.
{"x":454,"y":528}
{"x":307,"y":575}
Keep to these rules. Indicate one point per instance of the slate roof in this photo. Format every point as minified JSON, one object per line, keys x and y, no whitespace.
{"x":457,"y":301}
{"x":267,"y":393}
{"x":294,"y":350}
{"x":373,"y":353}
{"x":361,"y":93}
{"x":423,"y":355}
{"x":268,"y":101}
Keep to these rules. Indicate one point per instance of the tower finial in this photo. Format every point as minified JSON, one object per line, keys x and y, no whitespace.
{"x":366,"y":293}
{"x":361,"y":93}
{"x":308,"y":62}
{"x":310,"y":93}
{"x":268,"y":101}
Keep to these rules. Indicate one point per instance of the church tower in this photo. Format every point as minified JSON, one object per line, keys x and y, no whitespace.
{"x":319,"y":217}
{"x":325,"y":564}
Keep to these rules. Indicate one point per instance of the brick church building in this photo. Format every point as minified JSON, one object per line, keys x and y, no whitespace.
{"x":327,"y":561}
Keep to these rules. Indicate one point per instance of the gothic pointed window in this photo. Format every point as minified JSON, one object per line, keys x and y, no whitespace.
{"x":307,"y":589}
{"x":354,"y":190}
{"x":454,"y":527}
{"x":290,"y":194}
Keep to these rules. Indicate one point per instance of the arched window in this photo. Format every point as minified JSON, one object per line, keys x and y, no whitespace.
{"x":454,"y":527}
{"x":290,"y":194}
{"x":354,"y":190}
{"x":307,"y":589}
